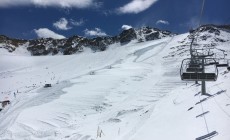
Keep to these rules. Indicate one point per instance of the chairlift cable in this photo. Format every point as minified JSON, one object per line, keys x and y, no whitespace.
{"x":194,"y":39}
{"x":201,"y":13}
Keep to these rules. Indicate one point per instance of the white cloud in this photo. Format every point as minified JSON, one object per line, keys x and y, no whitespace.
{"x":46,"y":33}
{"x":62,"y":24}
{"x":126,"y":27}
{"x":136,"y":6}
{"x":77,"y":23}
{"x":51,"y":3}
{"x":162,"y":22}
{"x":95,"y":32}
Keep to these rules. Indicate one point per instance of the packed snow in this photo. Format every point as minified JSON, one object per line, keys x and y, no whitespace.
{"x":129,"y":92}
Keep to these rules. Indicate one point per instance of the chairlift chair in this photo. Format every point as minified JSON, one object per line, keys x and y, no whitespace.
{"x":194,"y":69}
{"x":220,"y":55}
{"x":196,"y":74}
{"x":198,"y":53}
{"x":211,"y":62}
{"x":194,"y":66}
{"x":223,"y":63}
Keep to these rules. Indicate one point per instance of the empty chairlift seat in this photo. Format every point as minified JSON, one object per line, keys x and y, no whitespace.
{"x":194,"y":72}
{"x":223,"y":63}
{"x":194,"y":66}
{"x":212,"y":63}
{"x":199,"y":76}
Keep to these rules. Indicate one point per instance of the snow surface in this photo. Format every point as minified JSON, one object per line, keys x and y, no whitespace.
{"x":130,"y":92}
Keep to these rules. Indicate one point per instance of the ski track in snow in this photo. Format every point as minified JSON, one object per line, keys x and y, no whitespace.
{"x":121,"y":98}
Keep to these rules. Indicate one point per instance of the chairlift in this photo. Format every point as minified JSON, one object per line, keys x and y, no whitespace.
{"x":196,"y":74}
{"x":212,"y":63}
{"x":198,"y":53}
{"x":194,"y":66}
{"x":209,"y":62}
{"x":223,"y":63}
{"x":194,"y":69}
{"x":220,"y":55}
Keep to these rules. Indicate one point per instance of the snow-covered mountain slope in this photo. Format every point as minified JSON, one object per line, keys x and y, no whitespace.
{"x":128,"y":92}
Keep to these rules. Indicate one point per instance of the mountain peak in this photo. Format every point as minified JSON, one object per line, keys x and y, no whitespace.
{"x":74,"y":44}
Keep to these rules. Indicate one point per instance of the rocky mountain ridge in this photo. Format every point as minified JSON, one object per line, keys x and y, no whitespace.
{"x":74,"y":44}
{"x":207,"y":37}
{"x":210,"y":35}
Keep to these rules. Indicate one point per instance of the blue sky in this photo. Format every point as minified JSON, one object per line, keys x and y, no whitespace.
{"x":29,"y":19}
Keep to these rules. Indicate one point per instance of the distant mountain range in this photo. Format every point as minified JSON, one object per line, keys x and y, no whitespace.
{"x":68,"y":46}
{"x":74,"y":44}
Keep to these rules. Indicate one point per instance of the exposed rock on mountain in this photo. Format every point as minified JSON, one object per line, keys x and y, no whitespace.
{"x":127,"y":35}
{"x":148,"y":33}
{"x":74,"y":44}
{"x":213,"y":34}
{"x":207,"y":37}
{"x":9,"y":43}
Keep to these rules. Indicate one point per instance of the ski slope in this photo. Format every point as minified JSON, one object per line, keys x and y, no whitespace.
{"x":130,"y":92}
